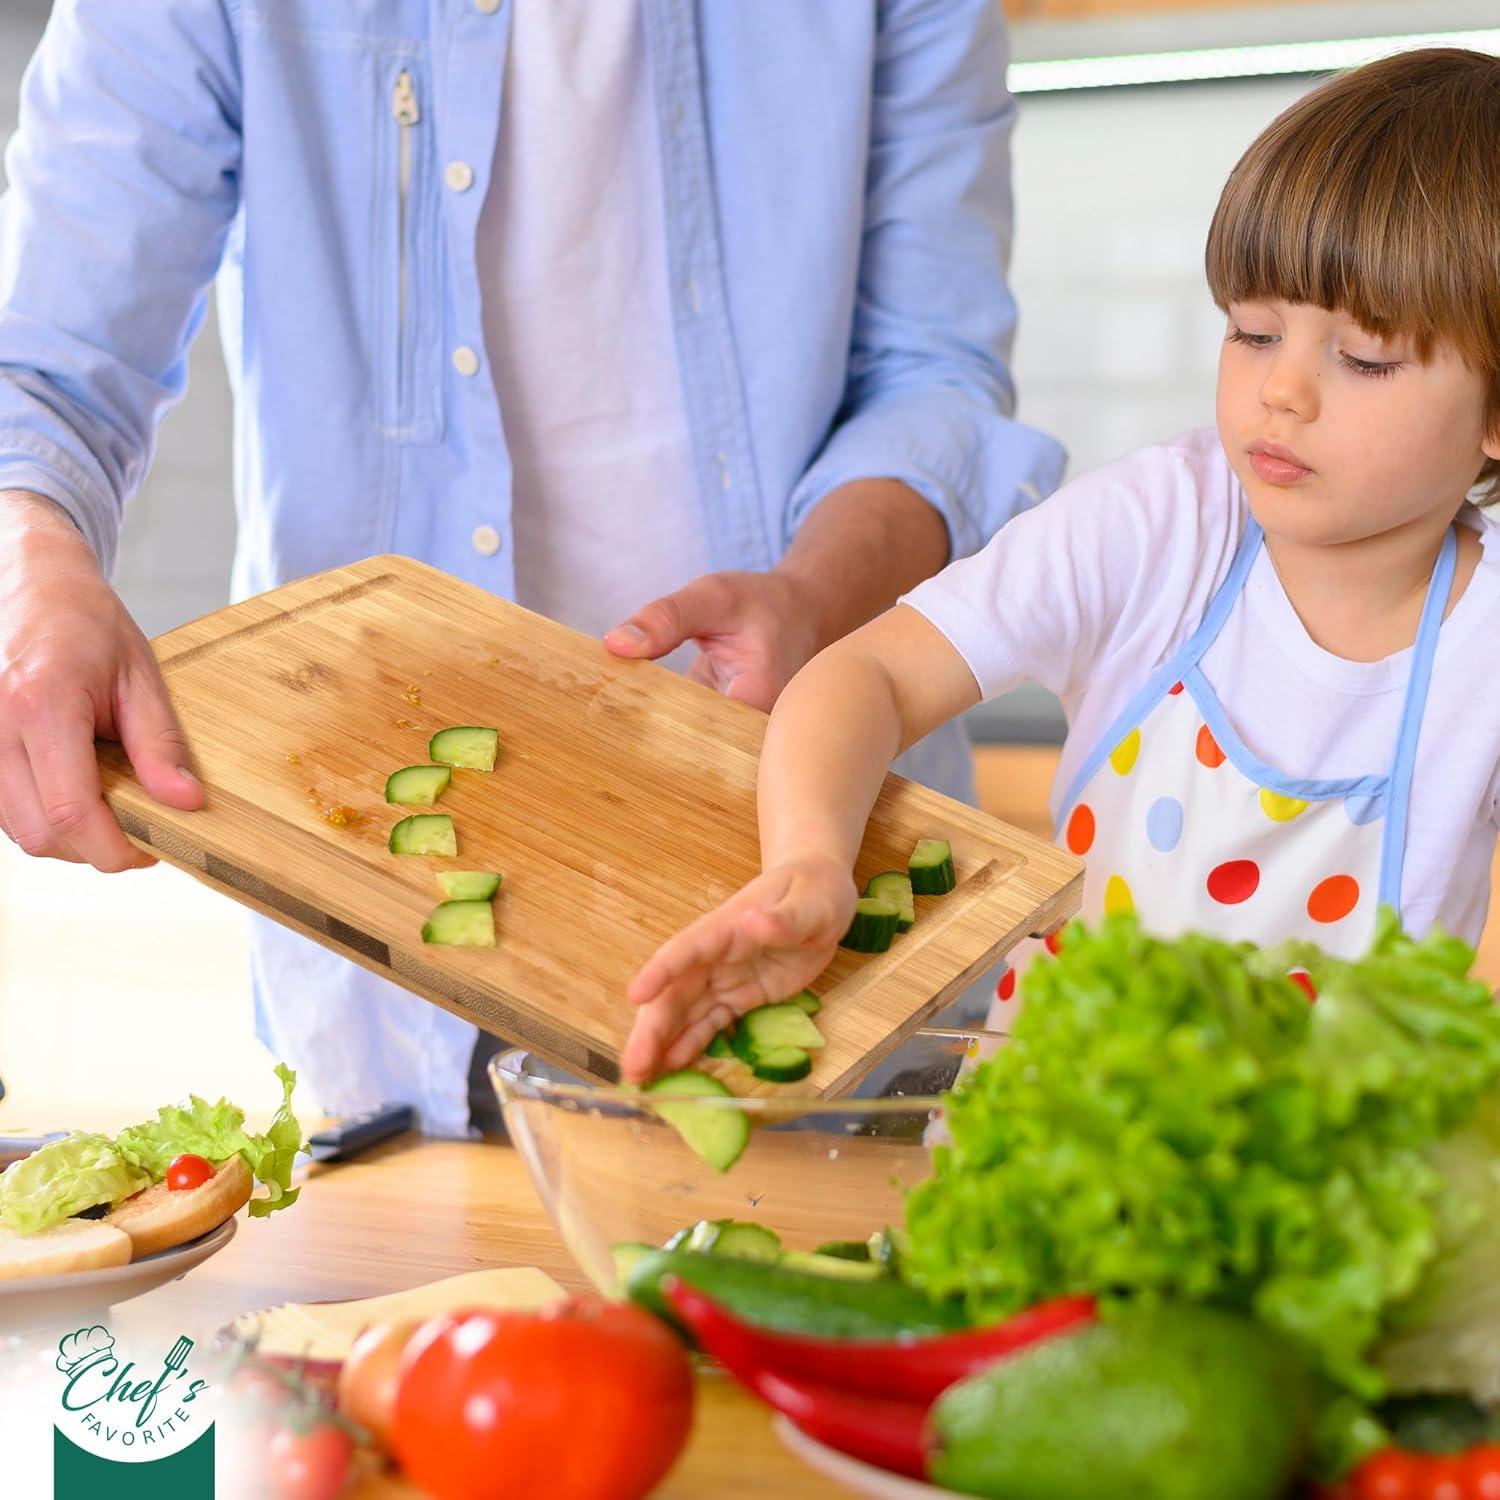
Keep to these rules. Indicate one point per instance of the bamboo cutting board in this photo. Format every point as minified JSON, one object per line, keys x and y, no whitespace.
{"x":622,"y":805}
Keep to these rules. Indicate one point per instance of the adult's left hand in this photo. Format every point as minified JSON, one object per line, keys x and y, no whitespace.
{"x":753,"y":631}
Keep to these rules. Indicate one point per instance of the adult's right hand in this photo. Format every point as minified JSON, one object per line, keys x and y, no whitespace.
{"x":73,"y":666}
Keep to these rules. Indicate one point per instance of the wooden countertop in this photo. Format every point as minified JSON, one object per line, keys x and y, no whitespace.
{"x":415,"y":1210}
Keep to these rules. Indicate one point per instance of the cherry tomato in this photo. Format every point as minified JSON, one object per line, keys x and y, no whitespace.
{"x":583,"y":1400}
{"x":1479,"y":1472}
{"x":310,"y":1463}
{"x":1439,"y":1478}
{"x":188,"y":1171}
{"x":1391,"y":1474}
{"x":367,"y":1381}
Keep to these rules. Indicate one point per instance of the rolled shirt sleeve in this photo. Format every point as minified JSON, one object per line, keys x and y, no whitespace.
{"x":929,"y":399}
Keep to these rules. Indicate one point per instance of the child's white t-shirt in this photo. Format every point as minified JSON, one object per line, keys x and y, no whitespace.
{"x":1091,"y":591}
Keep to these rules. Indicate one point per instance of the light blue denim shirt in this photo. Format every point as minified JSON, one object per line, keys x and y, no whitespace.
{"x":836,"y":203}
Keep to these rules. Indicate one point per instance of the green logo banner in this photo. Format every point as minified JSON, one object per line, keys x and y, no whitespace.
{"x":78,"y":1474}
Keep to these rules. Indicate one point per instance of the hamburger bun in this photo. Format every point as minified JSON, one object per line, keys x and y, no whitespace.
{"x":157,"y":1218}
{"x":73,"y":1245}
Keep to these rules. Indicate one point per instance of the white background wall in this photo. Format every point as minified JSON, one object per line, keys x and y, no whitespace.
{"x":127,"y":991}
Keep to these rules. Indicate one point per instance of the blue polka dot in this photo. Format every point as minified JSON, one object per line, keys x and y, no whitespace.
{"x":1362,"y":808}
{"x":1164,"y":824}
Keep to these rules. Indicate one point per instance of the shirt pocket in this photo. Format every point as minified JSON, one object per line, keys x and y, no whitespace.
{"x":342,"y":199}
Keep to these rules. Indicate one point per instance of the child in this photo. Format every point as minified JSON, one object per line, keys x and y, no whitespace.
{"x":1270,"y":638}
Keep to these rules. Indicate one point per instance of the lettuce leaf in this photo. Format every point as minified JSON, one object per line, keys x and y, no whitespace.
{"x":63,"y":1178}
{"x":1173,"y":1119}
{"x":217,"y":1132}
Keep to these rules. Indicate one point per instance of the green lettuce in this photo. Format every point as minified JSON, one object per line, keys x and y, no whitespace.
{"x":1173,"y":1119}
{"x":83,"y":1170}
{"x":63,"y":1178}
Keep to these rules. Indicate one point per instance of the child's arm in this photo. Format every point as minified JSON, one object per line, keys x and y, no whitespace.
{"x":833,"y":734}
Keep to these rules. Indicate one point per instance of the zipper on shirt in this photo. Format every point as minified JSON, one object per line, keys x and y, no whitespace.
{"x":408,"y":114}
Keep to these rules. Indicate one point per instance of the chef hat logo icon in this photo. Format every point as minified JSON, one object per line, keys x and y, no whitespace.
{"x":75,"y":1348}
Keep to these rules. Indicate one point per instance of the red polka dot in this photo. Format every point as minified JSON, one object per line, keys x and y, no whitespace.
{"x":1080,"y":834}
{"x":1303,"y":980}
{"x":1007,"y":986}
{"x":1233,"y":882}
{"x":1333,"y":899}
{"x":1208,"y":749}
{"x":1175,"y":689}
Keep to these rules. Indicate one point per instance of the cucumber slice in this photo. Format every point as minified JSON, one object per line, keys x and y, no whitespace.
{"x":845,"y":1250}
{"x":626,"y":1256}
{"x":678,"y":1240}
{"x":719,"y":1047}
{"x":808,"y":1001}
{"x":834,"y":1266}
{"x":734,"y":1237}
{"x":424,"y":833}
{"x":895,"y":886}
{"x":873,"y":927}
{"x":468,"y":885}
{"x":781,"y":1064}
{"x":784,"y":1025}
{"x":461,"y":924}
{"x":931,"y":867}
{"x":465,"y":745}
{"x":718,"y":1135}
{"x":884,"y":1250}
{"x":417,"y":786}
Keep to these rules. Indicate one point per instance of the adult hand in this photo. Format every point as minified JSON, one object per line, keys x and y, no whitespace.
{"x":753,"y":630}
{"x":73,"y":666}
{"x":768,"y":940}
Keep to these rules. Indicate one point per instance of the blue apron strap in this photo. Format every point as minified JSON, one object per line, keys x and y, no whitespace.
{"x":1393,"y":836}
{"x":1174,"y":668}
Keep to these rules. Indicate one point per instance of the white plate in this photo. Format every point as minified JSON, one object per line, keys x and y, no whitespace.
{"x":862,"y":1478}
{"x":33,"y":1302}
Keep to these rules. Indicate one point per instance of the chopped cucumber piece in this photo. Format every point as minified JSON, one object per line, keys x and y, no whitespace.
{"x":626,"y":1255}
{"x":845,"y":1249}
{"x":884,"y":1250}
{"x":781,"y":1064}
{"x":719,"y":1047}
{"x":895,"y":886}
{"x":736,"y":1238}
{"x":931,"y":867}
{"x":465,"y":745}
{"x":873,"y":927}
{"x":468,"y":885}
{"x":424,"y":833}
{"x":678,"y":1241}
{"x":718,"y":1134}
{"x":834,"y":1266}
{"x":784,"y":1025}
{"x":461,"y":924}
{"x":417,"y":786}
{"x":808,"y":1001}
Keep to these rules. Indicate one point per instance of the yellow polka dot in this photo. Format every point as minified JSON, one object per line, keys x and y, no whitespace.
{"x":1278,"y":807}
{"x":1122,"y":757}
{"x":1117,"y":897}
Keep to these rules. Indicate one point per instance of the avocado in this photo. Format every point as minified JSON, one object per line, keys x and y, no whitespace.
{"x":1173,"y":1401}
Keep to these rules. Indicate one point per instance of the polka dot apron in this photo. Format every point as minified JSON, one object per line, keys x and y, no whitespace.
{"x":1179,"y":821}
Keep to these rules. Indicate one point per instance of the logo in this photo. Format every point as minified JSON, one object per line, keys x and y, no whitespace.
{"x":141,"y":1428}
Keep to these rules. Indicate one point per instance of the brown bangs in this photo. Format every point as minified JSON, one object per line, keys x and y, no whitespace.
{"x":1378,"y":195}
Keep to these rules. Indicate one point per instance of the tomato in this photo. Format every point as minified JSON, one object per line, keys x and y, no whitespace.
{"x":188,"y":1171}
{"x":1479,"y":1472}
{"x":308,"y":1463}
{"x":367,"y":1382}
{"x":1439,"y":1479}
{"x":1391,"y":1474}
{"x":582,"y":1400}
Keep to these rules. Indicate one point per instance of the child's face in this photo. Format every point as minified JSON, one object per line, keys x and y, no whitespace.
{"x":1337,"y":435}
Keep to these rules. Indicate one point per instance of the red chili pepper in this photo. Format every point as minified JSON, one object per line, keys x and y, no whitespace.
{"x":916,"y":1369}
{"x":889,"y":1434}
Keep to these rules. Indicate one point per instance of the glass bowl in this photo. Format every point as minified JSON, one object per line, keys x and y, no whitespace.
{"x":612,"y":1172}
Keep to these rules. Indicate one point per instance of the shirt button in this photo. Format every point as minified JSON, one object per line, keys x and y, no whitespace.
{"x":459,"y":175}
{"x":486,"y":540}
{"x":465,"y":361}
{"x":486,"y":7}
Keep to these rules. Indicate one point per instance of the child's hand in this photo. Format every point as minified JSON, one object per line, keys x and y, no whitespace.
{"x":772,"y":937}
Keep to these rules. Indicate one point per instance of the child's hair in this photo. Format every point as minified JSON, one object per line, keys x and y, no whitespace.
{"x":1378,"y":195}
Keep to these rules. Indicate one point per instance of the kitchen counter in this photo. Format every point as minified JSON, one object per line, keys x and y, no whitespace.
{"x":416,"y":1210}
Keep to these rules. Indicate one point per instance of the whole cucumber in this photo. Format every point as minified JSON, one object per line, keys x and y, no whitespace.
{"x":790,"y":1301}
